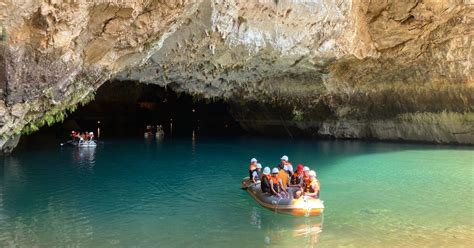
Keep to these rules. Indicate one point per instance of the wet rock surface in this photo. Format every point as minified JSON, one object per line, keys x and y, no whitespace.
{"x":397,"y":70}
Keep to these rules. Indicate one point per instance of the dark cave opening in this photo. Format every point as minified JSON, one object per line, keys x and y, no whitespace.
{"x":125,"y":108}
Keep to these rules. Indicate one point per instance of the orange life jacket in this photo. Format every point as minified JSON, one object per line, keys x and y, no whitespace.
{"x":307,"y":183}
{"x":275,"y":179}
{"x":276,"y":183}
{"x":265,"y":183}
{"x":295,"y":178}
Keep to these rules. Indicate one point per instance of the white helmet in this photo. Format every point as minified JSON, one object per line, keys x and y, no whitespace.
{"x":284,"y":158}
{"x":274,"y":170}
{"x":259,"y":166}
{"x":312,"y":173}
{"x":91,"y":133}
{"x":266,"y":171}
{"x":253,"y":160}
{"x":305,"y":168}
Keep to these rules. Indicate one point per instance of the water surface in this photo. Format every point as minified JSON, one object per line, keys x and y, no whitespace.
{"x":185,"y":193}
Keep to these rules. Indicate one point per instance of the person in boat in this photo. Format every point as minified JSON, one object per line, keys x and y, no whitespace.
{"x":91,"y":136}
{"x":297,"y":178}
{"x":283,"y":175}
{"x":304,"y":176}
{"x":252,"y":166}
{"x":73,"y":135}
{"x":284,"y":160}
{"x":256,"y":174}
{"x":159,"y":128}
{"x":276,"y":185}
{"x":311,"y":185}
{"x":265,"y":185}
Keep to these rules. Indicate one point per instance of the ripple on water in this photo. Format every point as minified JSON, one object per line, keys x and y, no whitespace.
{"x":169,"y":196}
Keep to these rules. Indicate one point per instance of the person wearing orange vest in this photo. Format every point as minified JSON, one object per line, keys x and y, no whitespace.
{"x":252,"y":166}
{"x":296,"y":180}
{"x":276,"y":185}
{"x":297,"y":177}
{"x":305,"y":175}
{"x":311,"y":185}
{"x":265,"y":181}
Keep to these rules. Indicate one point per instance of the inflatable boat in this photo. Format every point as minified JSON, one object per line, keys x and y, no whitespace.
{"x":302,"y":206}
{"x":88,"y":143}
{"x":160,"y":134}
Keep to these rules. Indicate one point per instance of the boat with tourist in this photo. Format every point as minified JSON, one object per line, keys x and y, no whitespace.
{"x":303,"y":206}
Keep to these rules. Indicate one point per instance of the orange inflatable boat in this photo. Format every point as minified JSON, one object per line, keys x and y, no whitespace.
{"x":302,"y":206}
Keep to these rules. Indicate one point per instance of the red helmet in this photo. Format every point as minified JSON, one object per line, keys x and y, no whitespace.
{"x":300,"y":167}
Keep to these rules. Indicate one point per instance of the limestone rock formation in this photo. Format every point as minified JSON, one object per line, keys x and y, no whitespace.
{"x":383,"y":69}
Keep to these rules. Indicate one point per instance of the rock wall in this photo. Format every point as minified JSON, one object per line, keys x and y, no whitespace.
{"x":340,"y":68}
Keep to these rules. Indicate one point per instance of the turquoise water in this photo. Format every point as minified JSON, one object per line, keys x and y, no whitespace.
{"x":185,"y":193}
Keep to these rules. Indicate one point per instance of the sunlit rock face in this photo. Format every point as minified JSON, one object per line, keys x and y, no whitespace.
{"x":346,"y":69}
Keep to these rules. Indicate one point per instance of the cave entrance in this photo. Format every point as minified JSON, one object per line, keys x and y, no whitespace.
{"x":125,"y":108}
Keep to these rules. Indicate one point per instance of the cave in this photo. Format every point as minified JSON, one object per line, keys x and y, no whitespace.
{"x":124,"y":109}
{"x":263,"y":106}
{"x":278,"y":72}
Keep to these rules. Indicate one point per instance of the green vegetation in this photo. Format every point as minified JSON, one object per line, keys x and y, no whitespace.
{"x":4,"y":36}
{"x":56,"y":113}
{"x":297,"y":115}
{"x":30,"y":128}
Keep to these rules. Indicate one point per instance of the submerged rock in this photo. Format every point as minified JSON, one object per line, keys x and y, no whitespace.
{"x":346,"y":69}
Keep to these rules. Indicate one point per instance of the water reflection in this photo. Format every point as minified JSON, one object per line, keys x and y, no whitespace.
{"x":193,"y":143}
{"x":84,"y":156}
{"x":13,"y":171}
{"x":309,"y":230}
{"x":284,"y":230}
{"x":255,"y":219}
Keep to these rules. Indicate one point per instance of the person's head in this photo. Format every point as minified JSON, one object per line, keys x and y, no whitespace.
{"x":266,"y":171}
{"x":312,"y":174}
{"x":306,"y":171}
{"x":284,"y":159}
{"x":253,"y":161}
{"x":275,"y":172}
{"x":281,"y":166}
{"x":259,"y":166}
{"x":300,"y":168}
{"x":91,"y":133}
